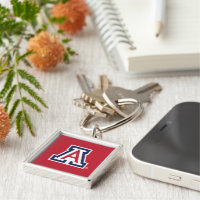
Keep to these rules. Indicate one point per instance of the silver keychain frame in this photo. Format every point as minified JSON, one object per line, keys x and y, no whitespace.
{"x":67,"y":177}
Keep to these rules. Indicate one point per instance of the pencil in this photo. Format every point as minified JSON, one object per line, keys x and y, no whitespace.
{"x":159,"y":16}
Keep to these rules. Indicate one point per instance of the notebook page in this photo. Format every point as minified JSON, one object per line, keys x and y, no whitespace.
{"x":181,"y":30}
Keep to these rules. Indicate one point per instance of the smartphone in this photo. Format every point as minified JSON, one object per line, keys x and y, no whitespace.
{"x":170,"y":152}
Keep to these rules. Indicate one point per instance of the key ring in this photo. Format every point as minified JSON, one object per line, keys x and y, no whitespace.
{"x":136,"y":113}
{"x":96,"y":133}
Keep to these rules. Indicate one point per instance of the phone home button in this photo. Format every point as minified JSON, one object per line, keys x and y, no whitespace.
{"x":174,"y":177}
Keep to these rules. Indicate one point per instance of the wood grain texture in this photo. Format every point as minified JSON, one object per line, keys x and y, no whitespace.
{"x":60,"y":88}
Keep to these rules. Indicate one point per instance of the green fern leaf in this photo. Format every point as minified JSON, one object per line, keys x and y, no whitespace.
{"x":19,"y":123}
{"x":32,"y":93}
{"x":28,"y":123}
{"x":17,"y":9}
{"x":31,"y":104}
{"x":30,"y":78}
{"x":24,"y":55}
{"x":9,"y":96}
{"x":44,"y":28}
{"x":7,"y":84}
{"x":43,"y":2}
{"x":67,"y":40}
{"x":60,"y":31}
{"x":64,"y":1}
{"x":71,"y":52}
{"x":27,"y":63}
{"x":26,"y":9}
{"x":57,"y":20}
{"x":13,"y":109}
{"x":34,"y":23}
{"x":66,"y":57}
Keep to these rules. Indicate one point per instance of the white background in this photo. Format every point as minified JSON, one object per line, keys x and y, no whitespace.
{"x":61,"y":87}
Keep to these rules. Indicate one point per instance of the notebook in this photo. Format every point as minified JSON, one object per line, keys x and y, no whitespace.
{"x":125,"y":28}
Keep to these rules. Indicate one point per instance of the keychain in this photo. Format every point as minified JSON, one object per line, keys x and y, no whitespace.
{"x":82,"y":160}
{"x":73,"y":159}
{"x":77,"y":159}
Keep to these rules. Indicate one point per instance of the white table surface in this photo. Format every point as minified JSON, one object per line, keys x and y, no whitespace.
{"x":60,"y":88}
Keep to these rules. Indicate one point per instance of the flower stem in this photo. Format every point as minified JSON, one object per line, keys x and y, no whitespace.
{"x":18,"y":81}
{"x":44,"y":15}
{"x":9,"y":50}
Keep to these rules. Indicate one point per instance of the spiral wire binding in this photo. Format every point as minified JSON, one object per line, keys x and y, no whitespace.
{"x":110,"y":28}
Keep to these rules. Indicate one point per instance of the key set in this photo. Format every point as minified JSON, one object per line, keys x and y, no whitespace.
{"x":107,"y":100}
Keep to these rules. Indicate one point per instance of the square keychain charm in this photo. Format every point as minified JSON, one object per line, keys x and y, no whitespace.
{"x":71,"y":158}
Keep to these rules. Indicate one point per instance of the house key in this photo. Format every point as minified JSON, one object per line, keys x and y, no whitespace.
{"x":95,"y":97}
{"x":79,"y":102}
{"x":142,"y":94}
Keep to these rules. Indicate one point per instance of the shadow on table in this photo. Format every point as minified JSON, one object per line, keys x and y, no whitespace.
{"x":113,"y":169}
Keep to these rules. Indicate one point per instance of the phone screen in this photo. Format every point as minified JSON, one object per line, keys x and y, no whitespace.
{"x":175,"y":141}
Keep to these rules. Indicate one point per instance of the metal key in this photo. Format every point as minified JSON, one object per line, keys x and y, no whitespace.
{"x":96,"y":96}
{"x":104,"y":82}
{"x":81,"y":103}
{"x":93,"y":96}
{"x":142,"y":94}
{"x":83,"y":83}
{"x":86,"y":87}
{"x":89,"y":108}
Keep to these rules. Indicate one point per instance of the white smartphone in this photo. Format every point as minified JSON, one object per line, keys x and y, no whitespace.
{"x":170,"y":152}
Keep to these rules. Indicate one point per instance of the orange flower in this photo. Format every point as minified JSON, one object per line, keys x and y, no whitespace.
{"x":4,"y":123}
{"x":75,"y":12}
{"x":79,"y":5}
{"x":48,"y":51}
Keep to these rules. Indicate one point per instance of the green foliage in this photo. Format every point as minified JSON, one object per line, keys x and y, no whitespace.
{"x":43,"y":28}
{"x":9,"y":26}
{"x":9,"y":96}
{"x":31,"y":104}
{"x":8,"y":88}
{"x":28,"y":36}
{"x":4,"y":67}
{"x":24,"y":56}
{"x":66,"y":57}
{"x":71,"y":52}
{"x":14,"y":29}
{"x":57,"y":20}
{"x":14,"y":108}
{"x":66,"y":40}
{"x":26,"y":62}
{"x":30,"y":78}
{"x":28,"y":123}
{"x":24,"y":100}
{"x":7,"y":84}
{"x":19,"y":119}
{"x":44,"y":2}
{"x":9,"y":58}
{"x":10,"y":91}
{"x":26,"y":10}
{"x":60,"y":31}
{"x":34,"y":23}
{"x":33,"y":94}
{"x":64,"y":1}
{"x":4,"y":12}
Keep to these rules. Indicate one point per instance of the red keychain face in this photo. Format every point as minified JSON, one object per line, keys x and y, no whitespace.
{"x":72,"y":155}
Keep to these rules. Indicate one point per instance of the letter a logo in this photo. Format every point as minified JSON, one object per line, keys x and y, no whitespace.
{"x":74,"y":156}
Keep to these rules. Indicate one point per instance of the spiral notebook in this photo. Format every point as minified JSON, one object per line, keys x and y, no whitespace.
{"x":125,"y":30}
